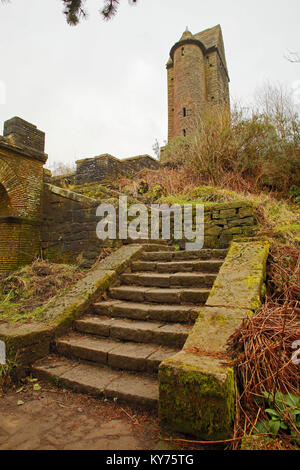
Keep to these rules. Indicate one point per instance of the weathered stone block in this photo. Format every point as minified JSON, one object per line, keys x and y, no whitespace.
{"x":239,"y":222}
{"x":227,"y":213}
{"x":240,"y":280}
{"x":212,"y":230}
{"x":196,"y":396}
{"x":233,"y":231}
{"x":245,"y":212}
{"x":213,"y":327}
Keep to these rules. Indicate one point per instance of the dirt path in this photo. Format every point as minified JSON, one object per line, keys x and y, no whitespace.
{"x":50,"y":418}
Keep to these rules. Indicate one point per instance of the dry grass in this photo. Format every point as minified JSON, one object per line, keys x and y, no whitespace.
{"x":24,"y":292}
{"x":243,"y":150}
{"x":278,"y":216}
{"x":262,"y":346}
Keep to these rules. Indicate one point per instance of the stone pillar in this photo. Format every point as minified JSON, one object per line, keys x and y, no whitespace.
{"x":21,"y":184}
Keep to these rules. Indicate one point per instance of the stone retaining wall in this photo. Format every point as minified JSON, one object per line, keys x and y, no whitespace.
{"x":223,"y":222}
{"x":69,"y":227}
{"x":197,"y":390}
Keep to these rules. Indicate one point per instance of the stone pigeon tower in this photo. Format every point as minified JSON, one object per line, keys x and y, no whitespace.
{"x":197,"y":76}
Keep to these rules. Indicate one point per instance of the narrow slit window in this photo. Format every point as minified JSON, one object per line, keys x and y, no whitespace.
{"x":184,"y":112}
{"x":184,"y":132}
{"x":182,"y":51}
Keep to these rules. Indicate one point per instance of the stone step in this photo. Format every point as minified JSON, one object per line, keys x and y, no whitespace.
{"x":205,"y":266}
{"x":143,"y":311}
{"x":115,"y":354}
{"x":168,"y":279}
{"x":182,"y":255}
{"x":173,"y":335}
{"x":160,"y":295}
{"x":99,"y":381}
{"x":158,"y":247}
{"x":144,"y":241}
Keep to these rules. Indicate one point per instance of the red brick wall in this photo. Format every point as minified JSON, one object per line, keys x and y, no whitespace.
{"x":21,"y":186}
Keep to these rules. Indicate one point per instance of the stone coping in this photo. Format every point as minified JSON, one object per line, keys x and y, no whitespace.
{"x":24,"y":151}
{"x":120,"y":160}
{"x":197,"y":387}
{"x":25,"y":343}
{"x":18,"y":219}
{"x":66,"y":193}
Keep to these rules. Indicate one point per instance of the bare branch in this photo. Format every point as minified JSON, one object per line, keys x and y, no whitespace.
{"x":110,"y":9}
{"x":74,"y":11}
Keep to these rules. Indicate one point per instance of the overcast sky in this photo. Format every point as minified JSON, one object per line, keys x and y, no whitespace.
{"x":100,"y":87}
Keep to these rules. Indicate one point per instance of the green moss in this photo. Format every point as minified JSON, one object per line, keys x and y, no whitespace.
{"x":295,"y":228}
{"x":258,"y":443}
{"x":196,"y":402}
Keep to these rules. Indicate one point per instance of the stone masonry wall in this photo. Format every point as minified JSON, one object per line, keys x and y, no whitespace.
{"x":24,"y":134}
{"x":197,"y":76}
{"x":69,"y":227}
{"x":189,"y":88}
{"x":224,"y":222}
{"x":90,"y":170}
{"x":70,"y":221}
{"x":106,"y":166}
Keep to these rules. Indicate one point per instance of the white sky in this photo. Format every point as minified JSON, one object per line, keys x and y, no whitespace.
{"x":101,"y":87}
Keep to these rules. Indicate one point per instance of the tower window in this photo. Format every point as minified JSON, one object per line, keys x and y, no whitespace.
{"x":184,"y":112}
{"x":182,"y":51}
{"x":184,"y":132}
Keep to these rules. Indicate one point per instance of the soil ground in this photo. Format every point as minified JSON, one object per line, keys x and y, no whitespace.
{"x":54,"y":419}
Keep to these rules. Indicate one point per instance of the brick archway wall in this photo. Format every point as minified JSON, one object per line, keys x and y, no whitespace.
{"x":10,"y":190}
{"x":5,"y":207}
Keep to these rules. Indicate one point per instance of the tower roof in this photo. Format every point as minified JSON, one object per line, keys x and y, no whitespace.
{"x":209,"y":38}
{"x":186,"y":35}
{"x":212,"y":37}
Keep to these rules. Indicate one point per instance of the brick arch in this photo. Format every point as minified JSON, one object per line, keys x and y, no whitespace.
{"x":10,"y":185}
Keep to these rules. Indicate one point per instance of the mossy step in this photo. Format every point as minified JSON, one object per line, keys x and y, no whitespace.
{"x":99,"y":381}
{"x":173,"y":335}
{"x":144,"y":311}
{"x":182,"y":295}
{"x":205,"y":254}
{"x":116,"y":354}
{"x":205,"y":266}
{"x":169,"y":279}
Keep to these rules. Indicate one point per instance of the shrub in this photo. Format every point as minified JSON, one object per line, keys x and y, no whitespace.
{"x":261,"y":146}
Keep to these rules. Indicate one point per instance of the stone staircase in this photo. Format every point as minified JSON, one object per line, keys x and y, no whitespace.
{"x":115,"y":350}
